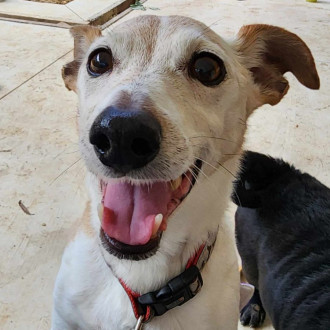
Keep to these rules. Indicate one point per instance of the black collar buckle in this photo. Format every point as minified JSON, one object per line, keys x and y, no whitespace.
{"x":175,"y":293}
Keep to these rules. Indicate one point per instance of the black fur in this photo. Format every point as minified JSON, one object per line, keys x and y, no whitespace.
{"x":253,"y":314}
{"x":283,"y":237}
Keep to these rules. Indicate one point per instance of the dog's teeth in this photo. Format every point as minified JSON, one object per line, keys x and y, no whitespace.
{"x":158,"y":221}
{"x":100,"y":211}
{"x":175,"y":184}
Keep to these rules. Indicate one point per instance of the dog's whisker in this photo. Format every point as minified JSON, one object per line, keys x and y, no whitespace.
{"x":239,"y":201}
{"x":212,"y":137}
{"x":226,"y":169}
{"x":216,"y":152}
{"x":195,"y":176}
{"x":193,"y":173}
{"x":208,"y":137}
{"x":207,"y":163}
{"x":199,"y":170}
{"x":217,"y":169}
{"x":189,"y":178}
{"x":222,"y":166}
{"x":64,"y":151}
{"x":68,"y":168}
{"x":234,"y":190}
{"x":232,"y":154}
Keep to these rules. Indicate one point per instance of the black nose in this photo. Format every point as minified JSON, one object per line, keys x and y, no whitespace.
{"x":125,"y":139}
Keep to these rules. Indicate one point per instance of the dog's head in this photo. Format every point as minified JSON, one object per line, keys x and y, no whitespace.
{"x":260,"y":177}
{"x":163,"y":103}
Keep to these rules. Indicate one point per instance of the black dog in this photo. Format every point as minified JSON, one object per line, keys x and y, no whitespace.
{"x":283,"y":237}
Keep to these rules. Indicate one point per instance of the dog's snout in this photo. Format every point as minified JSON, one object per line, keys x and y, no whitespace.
{"x":125,"y":139}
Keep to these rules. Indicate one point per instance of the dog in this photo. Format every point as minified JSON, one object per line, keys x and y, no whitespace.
{"x":162,"y":107}
{"x":283,"y":237}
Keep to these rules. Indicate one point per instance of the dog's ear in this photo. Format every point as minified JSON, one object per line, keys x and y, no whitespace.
{"x":259,"y":178}
{"x":256,"y":174}
{"x":83,"y":36}
{"x":268,"y":52}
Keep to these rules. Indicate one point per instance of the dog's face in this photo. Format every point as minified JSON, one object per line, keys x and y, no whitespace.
{"x":163,"y":102}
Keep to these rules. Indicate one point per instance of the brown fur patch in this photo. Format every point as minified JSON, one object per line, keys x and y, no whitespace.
{"x":150,"y":39}
{"x":135,"y":102}
{"x":124,"y":101}
{"x":269,"y":52}
{"x":136,"y":30}
{"x":69,"y":75}
{"x":83,"y":35}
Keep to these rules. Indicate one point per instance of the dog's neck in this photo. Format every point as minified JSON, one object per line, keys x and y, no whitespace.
{"x":188,"y":229}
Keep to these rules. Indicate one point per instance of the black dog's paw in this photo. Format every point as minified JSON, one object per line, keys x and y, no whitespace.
{"x":252,"y":315}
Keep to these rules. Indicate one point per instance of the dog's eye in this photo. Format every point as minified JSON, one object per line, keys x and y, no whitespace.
{"x":99,"y":62}
{"x":208,"y":68}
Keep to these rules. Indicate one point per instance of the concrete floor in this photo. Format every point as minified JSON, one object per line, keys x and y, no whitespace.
{"x":39,"y":159}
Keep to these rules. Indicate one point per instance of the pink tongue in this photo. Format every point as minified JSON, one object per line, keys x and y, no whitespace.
{"x":129,"y":211}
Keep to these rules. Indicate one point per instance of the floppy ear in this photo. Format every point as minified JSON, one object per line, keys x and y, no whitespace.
{"x":83,"y":36}
{"x":269,"y":52}
{"x":259,"y":178}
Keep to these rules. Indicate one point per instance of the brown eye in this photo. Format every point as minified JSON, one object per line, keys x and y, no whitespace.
{"x":208,"y":68}
{"x":99,"y":62}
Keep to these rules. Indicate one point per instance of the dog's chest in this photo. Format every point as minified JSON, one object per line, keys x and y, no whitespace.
{"x":91,"y":297}
{"x":94,"y":298}
{"x":88,"y":293}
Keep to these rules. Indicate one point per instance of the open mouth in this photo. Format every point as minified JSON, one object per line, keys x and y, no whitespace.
{"x":134,"y":216}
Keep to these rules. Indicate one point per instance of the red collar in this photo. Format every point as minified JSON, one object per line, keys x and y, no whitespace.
{"x":177,"y":291}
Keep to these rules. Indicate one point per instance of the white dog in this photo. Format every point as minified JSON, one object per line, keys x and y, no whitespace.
{"x":163,"y":103}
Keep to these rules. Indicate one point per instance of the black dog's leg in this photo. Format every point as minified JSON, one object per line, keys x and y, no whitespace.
{"x":253,"y":314}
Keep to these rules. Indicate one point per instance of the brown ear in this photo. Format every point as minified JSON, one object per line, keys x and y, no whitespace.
{"x":83,"y":35}
{"x":268,"y":52}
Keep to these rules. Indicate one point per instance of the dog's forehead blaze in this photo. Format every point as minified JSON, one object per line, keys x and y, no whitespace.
{"x":161,"y":36}
{"x":139,"y":28}
{"x":150,"y":27}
